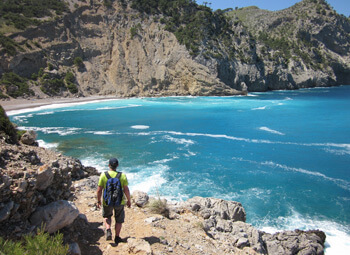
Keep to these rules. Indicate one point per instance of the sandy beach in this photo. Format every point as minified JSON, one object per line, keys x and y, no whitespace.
{"x":18,"y":104}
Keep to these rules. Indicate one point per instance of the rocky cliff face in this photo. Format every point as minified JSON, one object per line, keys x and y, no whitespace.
{"x":126,"y":52}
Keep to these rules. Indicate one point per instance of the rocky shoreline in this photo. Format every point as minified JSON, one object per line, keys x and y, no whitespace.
{"x":42,"y":186}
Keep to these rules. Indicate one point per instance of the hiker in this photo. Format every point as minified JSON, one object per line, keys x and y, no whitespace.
{"x":104,"y":184}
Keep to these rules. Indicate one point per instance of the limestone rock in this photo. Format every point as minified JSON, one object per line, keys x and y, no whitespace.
{"x":140,"y":198}
{"x":29,"y":138}
{"x":55,"y":216}
{"x":218,"y":208}
{"x":45,"y":177}
{"x":139,"y":246}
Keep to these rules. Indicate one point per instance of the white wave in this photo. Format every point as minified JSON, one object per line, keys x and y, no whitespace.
{"x":341,"y":183}
{"x":260,"y":108}
{"x":95,"y":161}
{"x":46,"y":145}
{"x":338,"y":236}
{"x":345,"y":146}
{"x":100,"y":132}
{"x":62,"y":131}
{"x":140,"y":127}
{"x":22,"y":118}
{"x":117,"y":107}
{"x":271,"y":131}
{"x":183,"y":141}
{"x":45,"y":113}
{"x":149,"y":178}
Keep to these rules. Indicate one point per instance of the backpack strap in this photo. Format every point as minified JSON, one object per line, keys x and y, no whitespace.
{"x":109,"y":177}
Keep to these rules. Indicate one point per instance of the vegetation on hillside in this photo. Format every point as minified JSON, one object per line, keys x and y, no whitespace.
{"x":195,"y":26}
{"x":7,"y":130}
{"x":42,"y":243}
{"x":15,"y":86}
{"x":23,"y":13}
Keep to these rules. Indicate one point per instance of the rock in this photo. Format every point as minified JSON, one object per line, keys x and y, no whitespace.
{"x":74,"y":249}
{"x":5,"y":212}
{"x":55,"y":216}
{"x":29,"y":138}
{"x":295,"y":242}
{"x":44,"y":178}
{"x":140,"y":198}
{"x":139,"y":246}
{"x":227,"y":210}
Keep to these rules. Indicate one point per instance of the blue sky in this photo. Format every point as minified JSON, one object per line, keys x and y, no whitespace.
{"x":341,"y":6}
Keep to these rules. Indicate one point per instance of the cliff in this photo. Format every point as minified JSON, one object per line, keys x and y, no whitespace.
{"x":161,"y":48}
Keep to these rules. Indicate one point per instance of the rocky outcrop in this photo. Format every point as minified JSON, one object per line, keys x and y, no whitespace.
{"x":32,"y":178}
{"x":224,"y":222}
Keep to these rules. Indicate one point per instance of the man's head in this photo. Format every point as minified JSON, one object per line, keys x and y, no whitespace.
{"x":113,"y":163}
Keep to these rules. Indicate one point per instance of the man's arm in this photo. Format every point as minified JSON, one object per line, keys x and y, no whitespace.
{"x":99,"y":195}
{"x":127,"y":194}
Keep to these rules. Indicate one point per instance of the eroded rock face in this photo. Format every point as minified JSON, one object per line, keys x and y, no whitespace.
{"x":153,"y":63}
{"x":33,"y":177}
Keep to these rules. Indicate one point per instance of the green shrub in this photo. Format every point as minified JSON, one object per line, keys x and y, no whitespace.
{"x":159,"y":206}
{"x":6,"y":128}
{"x":9,"y":45}
{"x":15,"y":85}
{"x":70,"y":83}
{"x":40,"y":244}
{"x":23,"y":13}
{"x":78,"y":61}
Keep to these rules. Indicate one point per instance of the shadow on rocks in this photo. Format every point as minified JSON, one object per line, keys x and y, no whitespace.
{"x":86,"y":234}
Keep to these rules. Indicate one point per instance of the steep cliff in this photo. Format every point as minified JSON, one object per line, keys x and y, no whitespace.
{"x":160,"y":48}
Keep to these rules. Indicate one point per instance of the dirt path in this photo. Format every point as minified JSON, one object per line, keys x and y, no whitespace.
{"x":141,"y":231}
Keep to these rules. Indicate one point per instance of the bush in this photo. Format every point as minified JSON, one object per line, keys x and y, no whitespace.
{"x":40,"y":244}
{"x":15,"y":85}
{"x":9,"y":45}
{"x":159,"y":206}
{"x":70,"y":80}
{"x":78,"y":61}
{"x":6,"y":128}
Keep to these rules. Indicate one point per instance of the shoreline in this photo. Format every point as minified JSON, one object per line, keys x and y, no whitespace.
{"x":21,"y":104}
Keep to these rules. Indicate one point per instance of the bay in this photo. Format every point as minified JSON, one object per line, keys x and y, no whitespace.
{"x":285,"y":155}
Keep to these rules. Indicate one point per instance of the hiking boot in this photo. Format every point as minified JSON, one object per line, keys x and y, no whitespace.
{"x":108,"y":234}
{"x":118,"y":240}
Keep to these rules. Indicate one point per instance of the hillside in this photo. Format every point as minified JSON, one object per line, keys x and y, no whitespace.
{"x":160,"y":48}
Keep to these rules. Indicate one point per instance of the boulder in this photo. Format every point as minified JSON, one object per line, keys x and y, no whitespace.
{"x":139,"y":246}
{"x":44,"y":177}
{"x":55,"y":215}
{"x":29,"y":138}
{"x":140,"y":198}
{"x":5,"y":212}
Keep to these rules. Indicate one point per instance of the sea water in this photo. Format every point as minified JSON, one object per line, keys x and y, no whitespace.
{"x":285,"y":155}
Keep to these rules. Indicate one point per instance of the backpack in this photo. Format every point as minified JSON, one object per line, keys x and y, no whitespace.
{"x":113,"y":193}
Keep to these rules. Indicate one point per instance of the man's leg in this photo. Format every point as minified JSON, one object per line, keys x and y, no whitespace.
{"x":108,"y":222}
{"x":118,"y":228}
{"x":119,"y":220}
{"x":107,"y":213}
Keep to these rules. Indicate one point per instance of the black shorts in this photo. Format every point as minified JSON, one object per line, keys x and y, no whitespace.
{"x":119,"y":213}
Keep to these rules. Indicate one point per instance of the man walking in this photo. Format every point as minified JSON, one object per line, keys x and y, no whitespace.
{"x":107,"y":210}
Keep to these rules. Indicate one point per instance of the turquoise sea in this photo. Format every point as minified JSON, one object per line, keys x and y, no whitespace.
{"x":285,"y":155}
